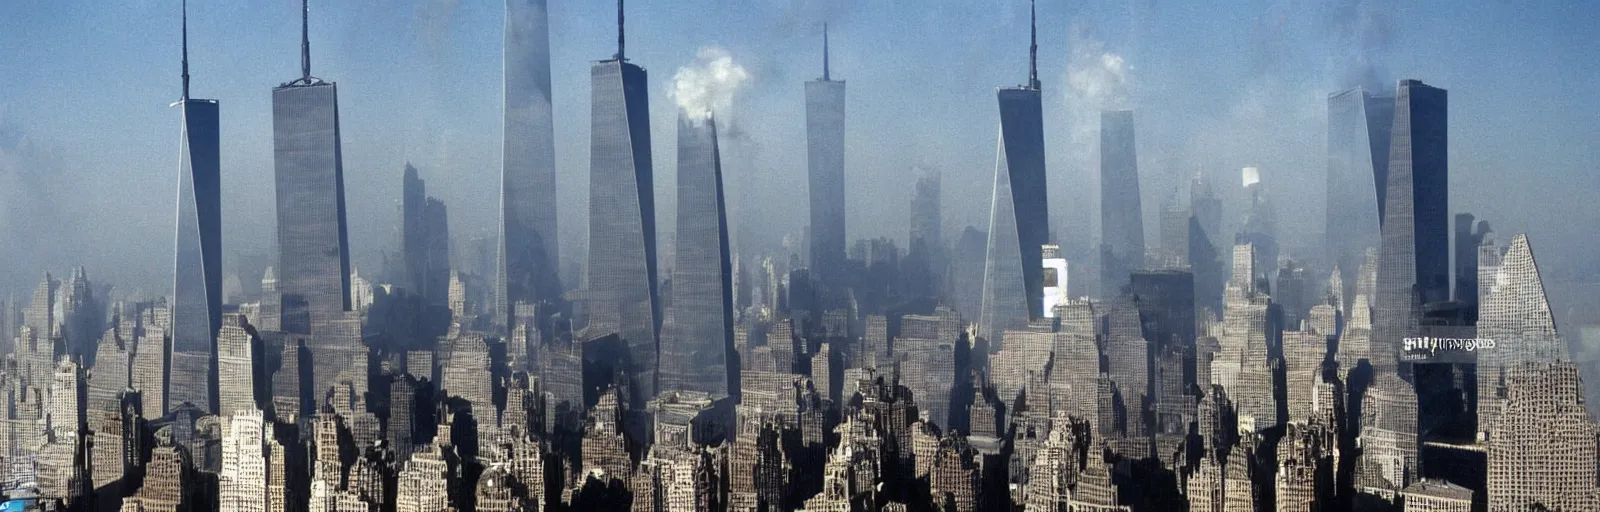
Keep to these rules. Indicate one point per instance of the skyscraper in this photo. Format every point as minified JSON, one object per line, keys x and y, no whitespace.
{"x":1466,"y":260}
{"x":622,"y":283}
{"x":1359,"y":126}
{"x":1261,"y":222}
{"x":825,"y":164}
{"x":1516,"y":314}
{"x":1174,"y":232}
{"x":424,"y":240}
{"x":698,"y":331}
{"x":927,"y":224}
{"x":1121,"y":217}
{"x":314,"y":249}
{"x":236,"y":349}
{"x":1543,"y":451}
{"x":314,"y":256}
{"x":1414,"y":257}
{"x":529,"y":255}
{"x":1019,"y":217}
{"x":197,"y":289}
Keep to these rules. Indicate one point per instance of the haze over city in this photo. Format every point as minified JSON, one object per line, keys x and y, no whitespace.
{"x":1019,"y":255}
{"x":1214,"y":89}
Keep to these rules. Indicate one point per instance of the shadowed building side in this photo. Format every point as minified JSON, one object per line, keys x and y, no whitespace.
{"x":529,"y":253}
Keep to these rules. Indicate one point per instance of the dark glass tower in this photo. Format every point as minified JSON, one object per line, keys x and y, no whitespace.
{"x":1359,"y":126}
{"x":698,"y":330}
{"x":197,"y":287}
{"x":1019,"y":218}
{"x":529,"y":255}
{"x":1121,"y":217}
{"x":313,"y":245}
{"x":1414,"y":257}
{"x":825,"y":164}
{"x":622,"y":295}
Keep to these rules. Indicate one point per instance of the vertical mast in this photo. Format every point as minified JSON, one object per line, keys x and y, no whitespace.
{"x":305,"y":39}
{"x":1033,"y":45}
{"x":825,"y":76}
{"x":621,"y":43}
{"x":185,"y":49}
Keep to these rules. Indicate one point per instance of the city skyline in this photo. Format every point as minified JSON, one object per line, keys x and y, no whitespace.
{"x":1318,"y":64}
{"x":706,"y":344}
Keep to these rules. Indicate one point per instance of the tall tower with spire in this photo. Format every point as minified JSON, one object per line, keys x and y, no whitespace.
{"x":1019,"y":216}
{"x":621,"y":294}
{"x":529,"y":253}
{"x":197,"y":265}
{"x":825,"y":99}
{"x":314,"y":257}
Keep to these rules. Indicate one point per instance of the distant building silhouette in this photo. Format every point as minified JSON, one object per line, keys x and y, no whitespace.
{"x":825,"y":99}
{"x":529,"y":258}
{"x":1359,"y":125}
{"x":1121,"y":217}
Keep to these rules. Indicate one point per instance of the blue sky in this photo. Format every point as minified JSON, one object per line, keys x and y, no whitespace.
{"x":88,"y":145}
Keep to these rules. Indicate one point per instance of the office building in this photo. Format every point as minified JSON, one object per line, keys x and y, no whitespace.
{"x":1516,"y":314}
{"x":314,"y":252}
{"x":197,"y":292}
{"x":1359,"y":124}
{"x":698,"y":332}
{"x":825,"y":98}
{"x":529,"y":259}
{"x":1414,"y":256}
{"x":237,"y":346}
{"x":1542,"y":450}
{"x":1121,"y":217}
{"x":622,"y":295}
{"x":1019,"y":216}
{"x":1055,"y":279}
{"x":424,"y":241}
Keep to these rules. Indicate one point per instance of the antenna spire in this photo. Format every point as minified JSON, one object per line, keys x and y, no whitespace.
{"x":305,"y":38}
{"x":621,"y":30}
{"x":825,"y":76}
{"x":185,"y":49}
{"x":1033,"y":45}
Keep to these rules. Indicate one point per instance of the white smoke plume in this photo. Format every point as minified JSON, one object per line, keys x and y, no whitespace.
{"x":1097,"y":79}
{"x":708,"y":84}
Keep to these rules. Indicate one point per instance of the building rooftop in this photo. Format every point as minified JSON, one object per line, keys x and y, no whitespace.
{"x":1438,"y":489}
